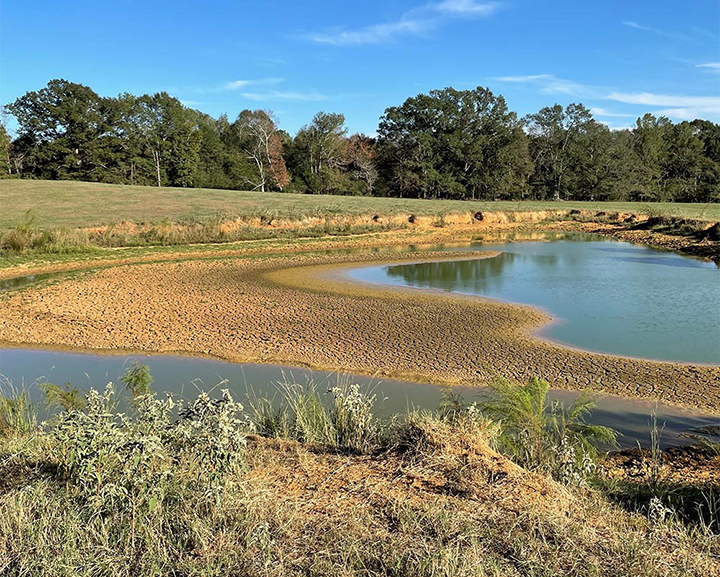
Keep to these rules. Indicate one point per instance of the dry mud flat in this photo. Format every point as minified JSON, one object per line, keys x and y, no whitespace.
{"x":299,"y":310}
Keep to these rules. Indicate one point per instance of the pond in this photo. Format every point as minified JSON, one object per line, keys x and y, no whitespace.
{"x":185,"y":376}
{"x":603,"y":295}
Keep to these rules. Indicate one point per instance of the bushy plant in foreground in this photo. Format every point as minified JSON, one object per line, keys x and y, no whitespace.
{"x":137,"y":379}
{"x":543,"y":435}
{"x":351,"y":415}
{"x":65,"y":398}
{"x":17,"y":414}
{"x":114,"y":462}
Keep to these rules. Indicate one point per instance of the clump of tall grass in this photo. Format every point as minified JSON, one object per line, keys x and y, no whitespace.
{"x":66,"y":398}
{"x":18,"y":415}
{"x":341,"y":417}
{"x":351,"y":415}
{"x":26,"y":237}
{"x":543,"y":435}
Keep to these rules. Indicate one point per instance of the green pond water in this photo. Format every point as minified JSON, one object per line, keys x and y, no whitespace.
{"x":185,"y":376}
{"x":603,"y":295}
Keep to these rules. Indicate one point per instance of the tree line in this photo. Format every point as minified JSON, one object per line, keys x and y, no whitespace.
{"x":459,"y":144}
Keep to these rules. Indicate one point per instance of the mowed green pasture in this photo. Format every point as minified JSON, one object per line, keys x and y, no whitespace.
{"x":79,"y":204}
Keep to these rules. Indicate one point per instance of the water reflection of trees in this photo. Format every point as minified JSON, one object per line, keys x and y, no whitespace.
{"x":475,"y":275}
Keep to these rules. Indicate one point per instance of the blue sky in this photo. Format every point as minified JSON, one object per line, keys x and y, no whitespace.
{"x":621,"y":58}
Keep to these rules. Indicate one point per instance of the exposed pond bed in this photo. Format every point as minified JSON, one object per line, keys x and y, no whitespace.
{"x":604,"y":295}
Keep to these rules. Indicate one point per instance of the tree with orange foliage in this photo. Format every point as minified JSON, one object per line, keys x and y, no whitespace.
{"x":258,"y":138}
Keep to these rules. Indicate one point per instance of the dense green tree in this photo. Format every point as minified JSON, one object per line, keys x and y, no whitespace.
{"x":168,"y":132}
{"x":62,"y":129}
{"x":557,"y":137}
{"x":650,"y":143}
{"x":315,"y":156}
{"x":445,"y":144}
{"x":601,"y":164}
{"x":454,"y":144}
{"x":212,"y":171}
{"x":709,"y":134}
{"x":685,"y":166}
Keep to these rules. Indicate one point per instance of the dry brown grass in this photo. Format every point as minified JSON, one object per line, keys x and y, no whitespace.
{"x":440,"y":502}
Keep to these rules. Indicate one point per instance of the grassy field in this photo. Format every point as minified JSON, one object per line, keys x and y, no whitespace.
{"x":80,"y":204}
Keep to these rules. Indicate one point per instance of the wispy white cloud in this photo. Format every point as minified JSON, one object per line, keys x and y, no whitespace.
{"x":411,"y":23}
{"x":597,"y":111}
{"x":238,"y":84}
{"x":463,"y":7}
{"x":281,"y":95}
{"x":551,"y":84}
{"x":634,"y":25}
{"x":526,"y":78}
{"x":674,"y":106}
{"x":651,"y":99}
{"x":710,"y":67}
{"x":271,"y":61}
{"x":235,"y":84}
{"x":190,"y":103}
{"x":682,"y":107}
{"x":698,"y":37}
{"x":707,"y":112}
{"x":258,"y":90}
{"x":375,"y":34}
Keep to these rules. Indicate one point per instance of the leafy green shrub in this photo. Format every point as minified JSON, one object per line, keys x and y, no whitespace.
{"x":209,"y":437}
{"x":137,"y":379}
{"x":67,"y":398}
{"x":116,"y":463}
{"x":546,"y":436}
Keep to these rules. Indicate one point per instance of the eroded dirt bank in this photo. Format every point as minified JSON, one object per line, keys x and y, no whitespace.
{"x":294,"y":310}
{"x":451,"y":228}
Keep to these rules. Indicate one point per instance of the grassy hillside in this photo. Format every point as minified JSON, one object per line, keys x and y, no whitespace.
{"x":79,"y":204}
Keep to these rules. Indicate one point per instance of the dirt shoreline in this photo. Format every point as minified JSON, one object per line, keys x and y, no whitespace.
{"x":291,"y":309}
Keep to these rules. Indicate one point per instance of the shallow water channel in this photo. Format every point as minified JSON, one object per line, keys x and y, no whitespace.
{"x":185,"y":376}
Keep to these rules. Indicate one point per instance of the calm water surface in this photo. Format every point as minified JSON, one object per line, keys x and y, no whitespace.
{"x":185,"y":376}
{"x":604,"y":295}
